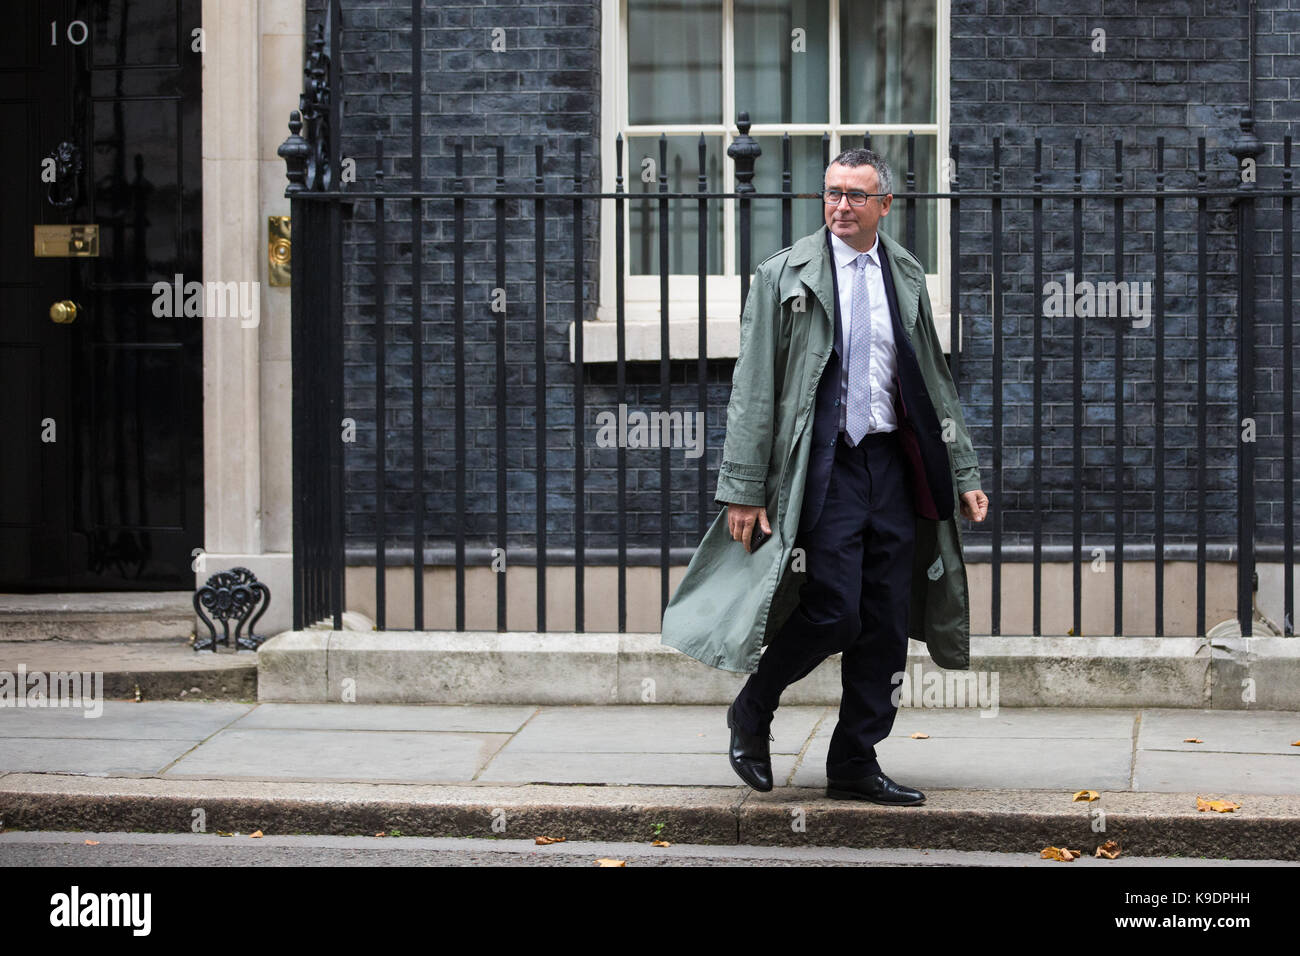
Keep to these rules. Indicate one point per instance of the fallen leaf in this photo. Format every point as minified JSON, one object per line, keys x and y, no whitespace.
{"x":661,"y":843}
{"x":1109,"y":849}
{"x":1295,"y":743}
{"x":381,"y":833}
{"x":92,"y":843}
{"x":224,"y":833}
{"x":255,"y":835}
{"x":605,"y":861}
{"x":920,"y":736}
{"x":1085,"y":796}
{"x":1060,"y":854}
{"x":1193,"y":740}
{"x":1219,"y":806}
{"x":546,"y":841}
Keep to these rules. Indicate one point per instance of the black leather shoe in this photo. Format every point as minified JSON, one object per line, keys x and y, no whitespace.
{"x":877,"y":788}
{"x":749,"y":755}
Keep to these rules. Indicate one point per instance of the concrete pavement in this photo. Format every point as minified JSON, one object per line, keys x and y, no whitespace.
{"x":994,"y":781}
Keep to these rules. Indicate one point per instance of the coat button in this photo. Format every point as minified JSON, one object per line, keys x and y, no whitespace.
{"x":837,"y":403}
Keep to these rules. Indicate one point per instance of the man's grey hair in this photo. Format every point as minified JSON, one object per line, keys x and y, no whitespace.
{"x":866,"y":157}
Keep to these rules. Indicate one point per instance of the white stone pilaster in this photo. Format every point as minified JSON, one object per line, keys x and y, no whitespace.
{"x":252,"y":74}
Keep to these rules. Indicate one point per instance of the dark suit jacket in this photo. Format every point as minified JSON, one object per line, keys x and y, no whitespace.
{"x":924,"y":451}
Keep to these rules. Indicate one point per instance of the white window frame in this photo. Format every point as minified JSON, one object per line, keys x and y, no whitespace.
{"x":641,"y":293}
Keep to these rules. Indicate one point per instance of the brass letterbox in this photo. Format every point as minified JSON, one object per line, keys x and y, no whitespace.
{"x":68,"y":241}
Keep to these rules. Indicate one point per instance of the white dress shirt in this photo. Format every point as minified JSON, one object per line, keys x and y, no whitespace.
{"x":884,"y":354}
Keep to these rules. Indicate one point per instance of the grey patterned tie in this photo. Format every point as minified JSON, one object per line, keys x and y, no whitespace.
{"x":858,"y":414}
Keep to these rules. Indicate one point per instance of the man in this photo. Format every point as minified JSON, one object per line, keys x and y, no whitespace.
{"x":842,"y":412}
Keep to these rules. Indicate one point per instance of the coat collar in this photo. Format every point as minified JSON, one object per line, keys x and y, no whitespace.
{"x":812,"y":256}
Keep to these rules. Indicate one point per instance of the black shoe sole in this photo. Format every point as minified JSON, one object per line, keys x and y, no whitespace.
{"x":854,"y":795}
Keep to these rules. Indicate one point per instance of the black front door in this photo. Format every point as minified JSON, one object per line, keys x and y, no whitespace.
{"x":101,"y":450}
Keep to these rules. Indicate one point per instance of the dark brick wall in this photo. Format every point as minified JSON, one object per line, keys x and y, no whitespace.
{"x":1019,"y":68}
{"x":1171,"y":68}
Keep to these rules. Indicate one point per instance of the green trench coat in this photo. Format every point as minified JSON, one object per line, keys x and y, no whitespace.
{"x":731,"y":602}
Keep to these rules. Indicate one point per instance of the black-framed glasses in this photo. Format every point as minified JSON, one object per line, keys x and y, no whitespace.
{"x":832,"y":197}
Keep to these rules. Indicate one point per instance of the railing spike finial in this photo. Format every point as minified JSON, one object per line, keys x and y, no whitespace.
{"x":1246,"y":148}
{"x":744,"y":151}
{"x":313,"y":116}
{"x":294,"y":151}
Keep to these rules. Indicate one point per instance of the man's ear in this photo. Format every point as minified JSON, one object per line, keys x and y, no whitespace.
{"x":886,"y":203}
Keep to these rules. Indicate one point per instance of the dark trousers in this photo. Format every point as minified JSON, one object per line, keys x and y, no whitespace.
{"x":854,"y":601}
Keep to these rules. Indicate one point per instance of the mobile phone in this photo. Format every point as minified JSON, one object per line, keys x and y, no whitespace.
{"x":757,"y":537}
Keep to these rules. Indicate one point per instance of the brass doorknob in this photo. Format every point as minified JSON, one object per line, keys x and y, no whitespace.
{"x":63,"y":312}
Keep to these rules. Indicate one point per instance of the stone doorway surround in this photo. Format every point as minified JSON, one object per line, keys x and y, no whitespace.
{"x":252,"y":75}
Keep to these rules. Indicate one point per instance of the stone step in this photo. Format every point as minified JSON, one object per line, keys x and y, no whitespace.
{"x":155,"y":670}
{"x":112,"y":617}
{"x":482,"y":667}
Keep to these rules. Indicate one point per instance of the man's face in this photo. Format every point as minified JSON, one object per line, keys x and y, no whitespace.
{"x":856,"y":225}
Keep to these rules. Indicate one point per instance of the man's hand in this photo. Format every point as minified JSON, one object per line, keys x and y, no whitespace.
{"x":975,"y":505}
{"x":741,"y":520}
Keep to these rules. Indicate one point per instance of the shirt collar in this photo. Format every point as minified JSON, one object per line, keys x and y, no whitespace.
{"x":845,"y":253}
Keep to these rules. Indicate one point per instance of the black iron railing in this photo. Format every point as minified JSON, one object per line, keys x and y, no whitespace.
{"x":313,"y":162}
{"x":319,"y":202}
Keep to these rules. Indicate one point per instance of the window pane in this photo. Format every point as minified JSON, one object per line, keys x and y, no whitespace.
{"x":683,"y":214}
{"x":674,"y":61}
{"x":806,"y":172}
{"x":894,"y":149}
{"x":781,"y":76}
{"x":887,"y":61}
